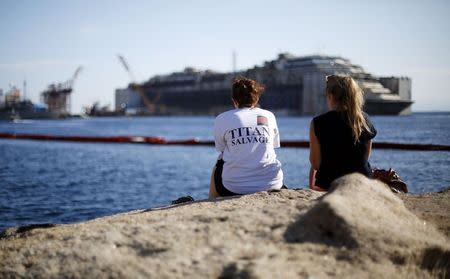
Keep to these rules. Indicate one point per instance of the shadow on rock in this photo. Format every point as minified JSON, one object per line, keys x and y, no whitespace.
{"x":436,"y":260}
{"x":22,"y":230}
{"x":232,"y":271}
{"x":321,"y":224}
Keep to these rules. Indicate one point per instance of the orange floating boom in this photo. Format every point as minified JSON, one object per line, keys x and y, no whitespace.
{"x":194,"y":141}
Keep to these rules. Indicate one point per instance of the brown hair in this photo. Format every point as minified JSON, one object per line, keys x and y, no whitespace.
{"x":246,"y":92}
{"x":348,"y":97}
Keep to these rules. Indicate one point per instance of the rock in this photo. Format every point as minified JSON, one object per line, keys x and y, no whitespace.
{"x":359,"y":229}
{"x":363,"y":215}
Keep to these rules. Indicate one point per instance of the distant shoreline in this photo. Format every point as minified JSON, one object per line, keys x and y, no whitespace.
{"x":206,"y":115}
{"x":431,"y":112}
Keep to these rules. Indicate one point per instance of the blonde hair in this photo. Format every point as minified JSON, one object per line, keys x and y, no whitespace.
{"x":348,"y":97}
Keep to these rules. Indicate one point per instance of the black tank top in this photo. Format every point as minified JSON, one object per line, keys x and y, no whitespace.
{"x":339,"y":154}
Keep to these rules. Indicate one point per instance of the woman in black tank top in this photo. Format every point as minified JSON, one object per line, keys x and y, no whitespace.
{"x":341,"y":139}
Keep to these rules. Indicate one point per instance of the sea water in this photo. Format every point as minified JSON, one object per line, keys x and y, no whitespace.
{"x":66,"y":182}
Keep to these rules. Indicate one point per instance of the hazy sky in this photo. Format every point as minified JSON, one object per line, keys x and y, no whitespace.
{"x":45,"y":41}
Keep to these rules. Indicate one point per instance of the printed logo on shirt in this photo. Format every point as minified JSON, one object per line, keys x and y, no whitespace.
{"x":245,"y":135}
{"x":262,"y":120}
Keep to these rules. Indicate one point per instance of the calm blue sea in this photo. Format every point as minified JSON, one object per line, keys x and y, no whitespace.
{"x":64,"y":182}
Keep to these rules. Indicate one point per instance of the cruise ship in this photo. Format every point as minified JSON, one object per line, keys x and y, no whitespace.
{"x":294,"y":86}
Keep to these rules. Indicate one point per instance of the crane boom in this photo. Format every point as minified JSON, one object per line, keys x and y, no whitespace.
{"x":149,"y":104}
{"x":77,"y":72}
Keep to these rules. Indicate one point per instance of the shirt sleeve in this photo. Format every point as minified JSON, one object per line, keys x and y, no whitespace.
{"x":276,"y":136}
{"x":219,"y":140}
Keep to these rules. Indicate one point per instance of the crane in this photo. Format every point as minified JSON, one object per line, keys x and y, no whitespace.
{"x":149,"y":104}
{"x":57,"y":96}
{"x":75,"y":75}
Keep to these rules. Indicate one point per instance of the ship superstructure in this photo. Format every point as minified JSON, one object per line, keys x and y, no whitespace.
{"x":294,"y":86}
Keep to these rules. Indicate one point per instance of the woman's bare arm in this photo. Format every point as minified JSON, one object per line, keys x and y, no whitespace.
{"x":314,"y":148}
{"x":369,"y":150}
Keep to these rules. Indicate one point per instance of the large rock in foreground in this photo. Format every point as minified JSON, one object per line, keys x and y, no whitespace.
{"x":360,"y":229}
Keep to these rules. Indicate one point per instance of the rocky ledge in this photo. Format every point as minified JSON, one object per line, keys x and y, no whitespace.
{"x":358,"y":230}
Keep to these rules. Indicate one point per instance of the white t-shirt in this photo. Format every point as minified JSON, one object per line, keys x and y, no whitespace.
{"x":246,"y":138}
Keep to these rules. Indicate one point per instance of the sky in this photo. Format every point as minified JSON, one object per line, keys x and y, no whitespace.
{"x":44,"y":41}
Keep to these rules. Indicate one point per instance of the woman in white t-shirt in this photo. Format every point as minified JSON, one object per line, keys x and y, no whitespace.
{"x":246,"y":138}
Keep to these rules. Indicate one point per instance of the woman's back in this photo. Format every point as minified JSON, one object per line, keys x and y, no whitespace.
{"x":247,"y":138}
{"x":340,"y":154}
